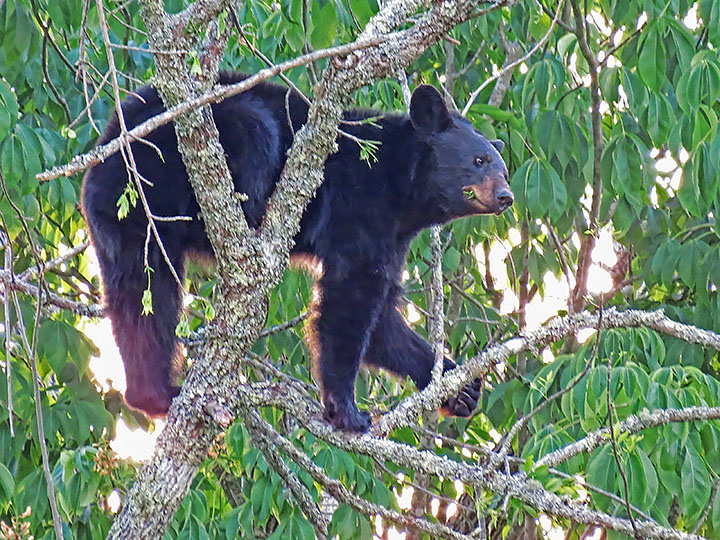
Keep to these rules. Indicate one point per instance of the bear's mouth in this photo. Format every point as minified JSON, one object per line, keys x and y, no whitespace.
{"x":476,"y":196}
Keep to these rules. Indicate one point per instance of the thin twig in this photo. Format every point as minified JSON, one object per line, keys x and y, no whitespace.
{"x":431,"y":434}
{"x":43,"y":63}
{"x":616,"y":454}
{"x":144,"y":50}
{"x":559,"y":250}
{"x":126,"y":149}
{"x":522,"y":422}
{"x":48,"y":297}
{"x":471,"y":63}
{"x":512,"y":65}
{"x":284,"y":326}
{"x":218,"y":94}
{"x":54,"y":263}
{"x":30,"y":349}
{"x":708,"y":507}
{"x":6,"y":304}
{"x":577,"y":297}
{"x":89,"y":100}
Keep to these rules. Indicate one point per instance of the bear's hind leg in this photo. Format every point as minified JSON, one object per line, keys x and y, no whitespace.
{"x":147,"y":343}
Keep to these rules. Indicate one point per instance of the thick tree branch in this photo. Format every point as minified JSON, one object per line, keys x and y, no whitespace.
{"x":451,"y":383}
{"x":303,"y":170}
{"x":199,"y":13}
{"x":265,"y":438}
{"x":517,"y":486}
{"x":339,"y":491}
{"x":248,"y":265}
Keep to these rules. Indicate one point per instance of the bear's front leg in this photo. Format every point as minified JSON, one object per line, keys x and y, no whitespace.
{"x":345,"y":311}
{"x":394,"y":346}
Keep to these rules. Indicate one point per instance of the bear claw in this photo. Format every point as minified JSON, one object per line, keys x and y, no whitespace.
{"x":465,"y":403}
{"x":347,"y":418}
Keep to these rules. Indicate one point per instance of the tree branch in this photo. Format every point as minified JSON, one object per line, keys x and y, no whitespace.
{"x":452,"y":381}
{"x":632,"y":424}
{"x":216,"y":95}
{"x":11,"y":281}
{"x":517,"y":485}
{"x":577,"y":298}
{"x":250,"y":265}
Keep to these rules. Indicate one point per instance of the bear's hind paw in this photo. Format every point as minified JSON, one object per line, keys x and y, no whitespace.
{"x":154,"y":402}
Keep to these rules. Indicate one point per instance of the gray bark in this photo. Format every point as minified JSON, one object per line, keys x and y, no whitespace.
{"x":248,"y":265}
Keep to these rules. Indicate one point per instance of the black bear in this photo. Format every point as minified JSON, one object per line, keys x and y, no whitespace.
{"x":431,"y":166}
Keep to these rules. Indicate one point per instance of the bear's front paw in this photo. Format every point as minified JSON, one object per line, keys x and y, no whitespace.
{"x":465,"y":402}
{"x":346,"y":417}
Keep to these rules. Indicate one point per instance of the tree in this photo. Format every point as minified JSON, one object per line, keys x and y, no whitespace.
{"x":609,"y":112}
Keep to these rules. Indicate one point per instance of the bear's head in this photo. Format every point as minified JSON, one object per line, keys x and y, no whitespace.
{"x":462,"y":170}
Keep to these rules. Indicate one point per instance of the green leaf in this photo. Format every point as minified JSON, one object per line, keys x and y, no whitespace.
{"x":642,"y":465}
{"x":621,"y":169}
{"x":451,"y":259}
{"x":349,"y":525}
{"x":497,"y":113}
{"x":705,"y":125}
{"x":609,"y":83}
{"x":701,"y":84}
{"x":7,"y":483}
{"x":544,"y":82}
{"x":658,"y":118}
{"x":53,"y":343}
{"x":8,"y":109}
{"x":696,"y":484}
{"x":710,"y":13}
{"x":602,"y":472}
{"x":689,"y":193}
{"x":324,"y":21}
{"x":363,"y":10}
{"x":294,"y":35}
{"x":12,"y":160}
{"x":556,"y":136}
{"x":715,"y":514}
{"x":31,"y":491}
{"x":635,"y":90}
{"x":540,"y":189}
{"x":683,"y":43}
{"x":342,"y":521}
{"x":651,"y":63}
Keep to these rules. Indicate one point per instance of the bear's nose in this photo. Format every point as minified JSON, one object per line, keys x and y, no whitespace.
{"x":504,"y":197}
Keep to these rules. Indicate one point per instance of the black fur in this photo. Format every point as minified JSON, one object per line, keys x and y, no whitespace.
{"x":432,"y":166}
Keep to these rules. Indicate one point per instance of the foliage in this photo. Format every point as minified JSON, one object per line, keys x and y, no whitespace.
{"x":659,"y":87}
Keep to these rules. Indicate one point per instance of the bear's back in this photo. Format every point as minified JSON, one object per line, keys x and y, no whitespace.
{"x":254,"y":133}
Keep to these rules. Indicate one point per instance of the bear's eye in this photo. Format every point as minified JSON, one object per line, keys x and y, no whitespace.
{"x":479,"y":161}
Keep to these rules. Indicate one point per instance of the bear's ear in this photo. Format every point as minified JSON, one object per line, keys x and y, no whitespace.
{"x":498,"y":144}
{"x":428,"y":112}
